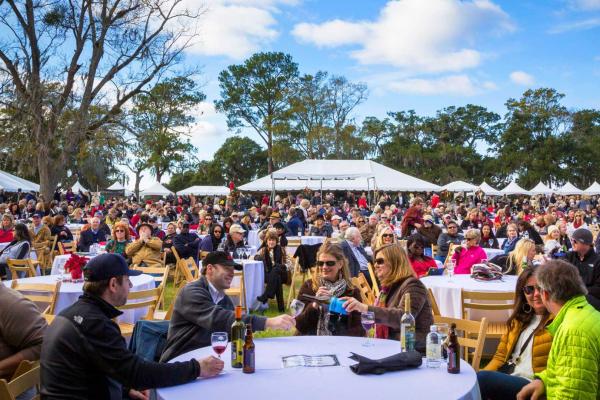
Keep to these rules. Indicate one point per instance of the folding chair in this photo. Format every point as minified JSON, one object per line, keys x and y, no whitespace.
{"x":44,"y":294}
{"x":239,"y":291}
{"x":10,"y":390}
{"x":488,"y":301}
{"x":141,"y":299}
{"x":160,"y":275}
{"x":44,"y":256}
{"x":433,"y":303}
{"x":67,"y":247}
{"x":471,"y":337}
{"x":373,"y":279}
{"x":25,"y":265}
{"x":365,"y":290}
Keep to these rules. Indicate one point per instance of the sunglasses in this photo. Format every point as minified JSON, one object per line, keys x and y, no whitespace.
{"x":328,"y":263}
{"x":208,"y":219}
{"x":218,"y":231}
{"x":530,"y":289}
{"x":379,"y":261}
{"x":119,"y":230}
{"x":361,"y":221}
{"x":387,"y":235}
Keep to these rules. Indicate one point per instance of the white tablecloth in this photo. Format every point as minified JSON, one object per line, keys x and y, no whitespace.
{"x":254,"y":280}
{"x":253,"y":239}
{"x":58,"y":265}
{"x":70,"y":292}
{"x":447,"y":294}
{"x":271,"y":381}
{"x":74,"y":227}
{"x":491,"y":253}
{"x":312,"y":239}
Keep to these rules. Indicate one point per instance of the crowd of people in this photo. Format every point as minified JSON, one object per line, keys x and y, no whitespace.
{"x":552,"y":344}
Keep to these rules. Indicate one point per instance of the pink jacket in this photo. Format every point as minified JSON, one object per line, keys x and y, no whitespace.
{"x":467,"y":258}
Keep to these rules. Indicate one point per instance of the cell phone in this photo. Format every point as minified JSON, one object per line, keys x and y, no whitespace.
{"x":435,"y":271}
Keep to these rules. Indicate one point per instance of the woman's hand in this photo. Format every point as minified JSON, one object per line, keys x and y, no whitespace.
{"x":322,"y":292}
{"x":351,"y":304}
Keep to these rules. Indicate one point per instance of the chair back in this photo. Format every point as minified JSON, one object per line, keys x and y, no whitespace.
{"x":434,"y":305}
{"x":238,"y":291}
{"x":19,"y":385}
{"x":188,"y":268}
{"x":141,"y":299}
{"x":373,"y":279}
{"x":23,"y":367}
{"x":25,"y":265}
{"x":67,"y":247}
{"x":489,"y":301}
{"x":471,"y":337}
{"x":44,"y":294}
{"x":365,"y":290}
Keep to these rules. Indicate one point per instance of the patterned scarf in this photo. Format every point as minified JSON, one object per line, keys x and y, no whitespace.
{"x":337,"y":288}
{"x":381,"y":330}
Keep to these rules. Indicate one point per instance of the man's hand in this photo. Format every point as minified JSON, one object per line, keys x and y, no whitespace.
{"x":534,"y":390}
{"x":143,"y":395}
{"x":284,"y":321}
{"x":210,"y":366}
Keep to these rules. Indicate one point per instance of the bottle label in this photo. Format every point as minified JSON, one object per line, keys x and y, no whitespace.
{"x":237,"y":353}
{"x":249,"y":359}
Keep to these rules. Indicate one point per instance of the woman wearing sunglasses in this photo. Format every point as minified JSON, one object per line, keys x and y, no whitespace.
{"x":385,"y":235}
{"x":524,"y":348}
{"x":119,"y":240}
{"x":214,"y":238}
{"x":397,"y":278}
{"x":331,"y":279}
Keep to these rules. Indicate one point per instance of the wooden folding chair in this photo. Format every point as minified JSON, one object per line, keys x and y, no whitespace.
{"x":42,"y":294}
{"x":433,"y":303}
{"x":67,"y":247}
{"x":19,"y":385}
{"x":471,"y":337}
{"x":25,"y":265}
{"x":239,"y":291}
{"x":140,"y":299}
{"x":298,"y":272}
{"x":166,"y":315}
{"x":366,"y":293}
{"x":488,"y":301}
{"x":375,"y":285}
{"x":160,"y":275}
{"x":43,"y":255}
{"x":24,"y":366}
{"x":188,"y":269}
{"x":53,"y":248}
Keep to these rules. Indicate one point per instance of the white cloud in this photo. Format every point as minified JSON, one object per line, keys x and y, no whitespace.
{"x":585,"y":4}
{"x":522,"y":78}
{"x":582,"y":25}
{"x":236,"y":28}
{"x":457,"y":85}
{"x":424,"y":36}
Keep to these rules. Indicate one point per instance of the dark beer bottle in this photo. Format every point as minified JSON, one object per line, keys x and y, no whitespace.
{"x":237,"y":339}
{"x":453,"y":351}
{"x":248,"y":352}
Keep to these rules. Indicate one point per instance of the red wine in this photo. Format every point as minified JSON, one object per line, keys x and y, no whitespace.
{"x":219,"y":349}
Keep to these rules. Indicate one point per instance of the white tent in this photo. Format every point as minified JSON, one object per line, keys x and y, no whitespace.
{"x":117,"y":186}
{"x":593,"y":189}
{"x":155,"y":190}
{"x":12,"y":183}
{"x":78,"y":187}
{"x":488,"y":190}
{"x":569,"y":188}
{"x":334,"y":174}
{"x":459,"y":186}
{"x":205,"y":191}
{"x":541,"y":188}
{"x":513,"y":188}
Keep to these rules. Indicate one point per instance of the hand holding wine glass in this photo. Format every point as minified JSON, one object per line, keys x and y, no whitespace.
{"x":219,"y":342}
{"x":296,"y":307}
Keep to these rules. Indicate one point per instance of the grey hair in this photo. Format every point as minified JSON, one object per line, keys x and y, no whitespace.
{"x":561,"y":280}
{"x":350,"y":232}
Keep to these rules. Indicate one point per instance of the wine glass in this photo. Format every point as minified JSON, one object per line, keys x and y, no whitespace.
{"x":218,"y":341}
{"x":450,"y":269}
{"x":367,"y":319}
{"x":296,"y":307}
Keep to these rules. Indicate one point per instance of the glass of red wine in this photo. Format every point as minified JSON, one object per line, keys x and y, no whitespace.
{"x":367,"y":319}
{"x":219,"y":342}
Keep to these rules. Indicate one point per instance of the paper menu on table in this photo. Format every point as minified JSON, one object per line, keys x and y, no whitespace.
{"x":321,"y":360}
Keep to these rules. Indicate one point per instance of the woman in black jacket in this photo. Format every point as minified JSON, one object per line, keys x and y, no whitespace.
{"x":488,"y":240}
{"x":273,"y":257}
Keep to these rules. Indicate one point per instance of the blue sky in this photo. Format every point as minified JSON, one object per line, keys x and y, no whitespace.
{"x":412,"y":54}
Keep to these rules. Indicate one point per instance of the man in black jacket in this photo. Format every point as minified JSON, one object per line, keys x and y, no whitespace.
{"x":93,"y":235}
{"x":202,"y":307}
{"x":186,"y":243}
{"x":84,"y":355}
{"x":587,"y":262}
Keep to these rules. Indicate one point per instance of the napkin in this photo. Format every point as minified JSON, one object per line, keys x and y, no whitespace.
{"x":397,"y":362}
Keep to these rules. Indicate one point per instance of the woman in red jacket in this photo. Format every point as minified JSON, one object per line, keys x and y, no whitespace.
{"x":6,"y":230}
{"x":419,"y":262}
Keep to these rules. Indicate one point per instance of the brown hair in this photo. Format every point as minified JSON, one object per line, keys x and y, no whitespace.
{"x":518,"y":313}
{"x":397,"y":258}
{"x":333,"y":249}
{"x":98,"y":288}
{"x":58,"y":218}
{"x":125,"y":227}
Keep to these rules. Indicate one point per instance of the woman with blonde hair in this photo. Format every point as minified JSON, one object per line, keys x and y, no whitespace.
{"x":398,"y":279}
{"x":514,"y":262}
{"x":385,"y":235}
{"x":76,"y":217}
{"x":552,"y":240}
{"x":331,"y":279}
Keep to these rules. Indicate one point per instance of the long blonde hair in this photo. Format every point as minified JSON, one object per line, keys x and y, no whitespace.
{"x":377,"y":241}
{"x":515,"y":257}
{"x":333,"y":249}
{"x":397,"y":258}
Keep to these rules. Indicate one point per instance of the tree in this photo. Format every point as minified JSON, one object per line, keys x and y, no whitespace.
{"x":103,"y":53}
{"x":159,"y":119}
{"x":257,"y":94}
{"x":583,"y":147}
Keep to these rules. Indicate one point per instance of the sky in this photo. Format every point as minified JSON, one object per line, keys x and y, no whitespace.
{"x":412,"y":54}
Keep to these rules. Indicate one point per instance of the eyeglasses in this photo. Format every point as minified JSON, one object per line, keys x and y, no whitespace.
{"x":119,"y":230}
{"x":387,"y":235}
{"x":379,"y":261}
{"x":328,"y":263}
{"x":529,"y":289}
{"x":218,"y":231}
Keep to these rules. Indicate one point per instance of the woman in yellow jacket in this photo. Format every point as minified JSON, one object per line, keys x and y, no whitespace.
{"x":523,"y":350}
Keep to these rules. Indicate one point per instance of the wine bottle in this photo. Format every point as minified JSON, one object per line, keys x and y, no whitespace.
{"x":237,"y":339}
{"x":407,"y":327}
{"x":248,"y":352}
{"x":453,"y":351}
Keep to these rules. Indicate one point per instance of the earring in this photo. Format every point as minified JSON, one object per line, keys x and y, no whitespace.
{"x":526,"y":308}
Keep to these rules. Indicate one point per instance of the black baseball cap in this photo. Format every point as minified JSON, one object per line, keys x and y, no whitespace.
{"x":583,"y":236}
{"x":106,"y":266}
{"x":221,"y":258}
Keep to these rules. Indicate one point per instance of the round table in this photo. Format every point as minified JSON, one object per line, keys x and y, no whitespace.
{"x":447,"y":293}
{"x":58,"y":265}
{"x":312,"y":239}
{"x":491,"y":253}
{"x":70,"y":292}
{"x":271,"y":380}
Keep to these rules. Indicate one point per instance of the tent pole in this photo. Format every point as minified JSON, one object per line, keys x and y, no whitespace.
{"x":272,"y":191}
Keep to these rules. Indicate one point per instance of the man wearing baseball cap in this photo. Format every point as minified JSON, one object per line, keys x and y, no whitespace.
{"x":587,"y":261}
{"x":84,"y":355}
{"x":39,"y":232}
{"x":202,"y":307}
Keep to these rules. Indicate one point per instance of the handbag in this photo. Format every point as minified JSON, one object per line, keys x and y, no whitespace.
{"x":486,"y":272}
{"x":509,"y":366}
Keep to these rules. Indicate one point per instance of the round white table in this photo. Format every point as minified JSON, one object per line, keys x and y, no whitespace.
{"x":491,"y":253}
{"x":447,"y":293}
{"x":254,"y":281}
{"x":70,"y":292}
{"x":253,"y":239}
{"x":272,"y":381}
{"x":312,"y":239}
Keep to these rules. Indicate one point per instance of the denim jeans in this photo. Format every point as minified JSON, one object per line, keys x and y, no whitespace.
{"x":496,"y":385}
